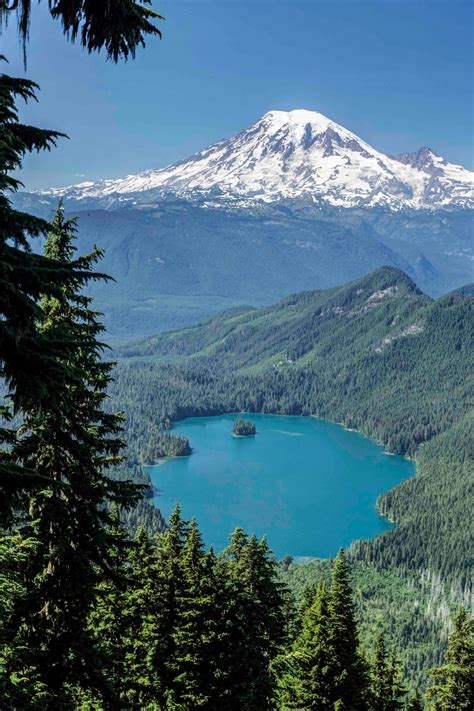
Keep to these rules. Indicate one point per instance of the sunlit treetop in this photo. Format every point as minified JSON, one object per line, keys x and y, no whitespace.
{"x":117,"y":26}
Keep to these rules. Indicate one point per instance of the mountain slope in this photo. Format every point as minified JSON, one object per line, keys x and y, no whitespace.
{"x":364,"y":316}
{"x":465,"y":290}
{"x":378,"y":337}
{"x":178,"y":262}
{"x":293,"y":155}
{"x":294,"y":202}
{"x":376,"y":355}
{"x":176,"y":265}
{"x":356,"y":320}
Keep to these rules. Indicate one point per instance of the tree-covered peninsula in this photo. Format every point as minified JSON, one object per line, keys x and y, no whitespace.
{"x":162,"y":444}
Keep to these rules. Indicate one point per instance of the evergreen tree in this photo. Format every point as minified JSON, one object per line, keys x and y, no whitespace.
{"x":170,"y":623}
{"x":415,"y":702}
{"x":195,"y":663}
{"x":27,"y":357}
{"x":51,"y":478}
{"x":109,"y":620}
{"x":386,"y":690}
{"x":171,"y":592}
{"x":455,"y":690}
{"x":306,"y":675}
{"x":131,"y":625}
{"x":256,"y":615}
{"x":120,"y":27}
{"x":23,"y":689}
{"x":350,"y":682}
{"x":70,"y":448}
{"x":145,"y":639}
{"x":30,"y":358}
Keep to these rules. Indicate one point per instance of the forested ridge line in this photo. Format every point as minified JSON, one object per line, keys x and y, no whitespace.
{"x":376,"y":355}
{"x":90,"y":616}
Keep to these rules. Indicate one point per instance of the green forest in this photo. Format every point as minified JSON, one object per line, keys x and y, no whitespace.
{"x":396,"y":366}
{"x":105,"y":606}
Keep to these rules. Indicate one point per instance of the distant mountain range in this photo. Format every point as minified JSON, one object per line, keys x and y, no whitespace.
{"x":294,"y":202}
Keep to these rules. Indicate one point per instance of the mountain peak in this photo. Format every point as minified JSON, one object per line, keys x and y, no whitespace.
{"x":389,"y":276}
{"x":290,"y":155}
{"x":298,"y":117}
{"x":302,"y":123}
{"x":422,"y":158}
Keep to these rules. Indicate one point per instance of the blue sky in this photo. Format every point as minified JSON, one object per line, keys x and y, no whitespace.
{"x":397,"y":72}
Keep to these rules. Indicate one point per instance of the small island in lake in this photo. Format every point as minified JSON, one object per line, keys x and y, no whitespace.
{"x":243,"y":428}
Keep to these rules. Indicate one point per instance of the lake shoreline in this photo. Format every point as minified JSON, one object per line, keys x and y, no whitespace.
{"x":280,"y":414}
{"x":387,"y":517}
{"x":260,"y":486}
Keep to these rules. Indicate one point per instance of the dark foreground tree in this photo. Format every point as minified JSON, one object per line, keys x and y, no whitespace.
{"x":70,"y":448}
{"x":350,"y":687}
{"x":120,"y":27}
{"x":325,"y":669}
{"x":305,"y":675}
{"x":190,"y":630}
{"x":155,"y":635}
{"x":256,"y":620}
{"x":28,"y":361}
{"x":455,"y":688}
{"x":53,"y":489}
{"x":30,"y":357}
{"x":111,"y":619}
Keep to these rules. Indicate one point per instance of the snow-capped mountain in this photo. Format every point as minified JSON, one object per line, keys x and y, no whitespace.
{"x":293,"y":155}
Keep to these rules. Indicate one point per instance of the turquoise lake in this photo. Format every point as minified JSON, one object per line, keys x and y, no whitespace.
{"x":309,"y":485}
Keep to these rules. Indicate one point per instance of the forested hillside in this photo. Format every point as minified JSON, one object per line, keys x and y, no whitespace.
{"x":93,"y":617}
{"x":377,"y":355}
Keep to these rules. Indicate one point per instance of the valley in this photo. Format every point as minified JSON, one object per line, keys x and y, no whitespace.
{"x":236,"y":356}
{"x":380,"y":357}
{"x":377,"y":355}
